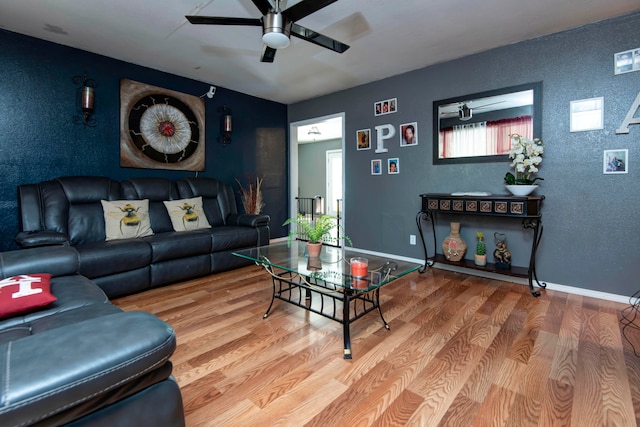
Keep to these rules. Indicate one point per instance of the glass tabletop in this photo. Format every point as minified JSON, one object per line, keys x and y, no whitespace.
{"x":342,"y":267}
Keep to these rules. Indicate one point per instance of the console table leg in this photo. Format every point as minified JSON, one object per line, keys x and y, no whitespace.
{"x":536,"y":226}
{"x":426,"y":216}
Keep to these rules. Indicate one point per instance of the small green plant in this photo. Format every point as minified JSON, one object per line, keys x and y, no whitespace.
{"x":315,"y":231}
{"x":481,"y":247}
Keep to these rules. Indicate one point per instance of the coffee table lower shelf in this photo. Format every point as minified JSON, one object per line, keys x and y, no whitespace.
{"x":340,"y":304}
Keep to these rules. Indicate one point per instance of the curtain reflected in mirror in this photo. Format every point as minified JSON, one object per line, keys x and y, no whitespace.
{"x":476,"y":128}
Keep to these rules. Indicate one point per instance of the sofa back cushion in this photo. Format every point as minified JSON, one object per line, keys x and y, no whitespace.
{"x":218,"y":201}
{"x":157,"y":190}
{"x":71,"y":205}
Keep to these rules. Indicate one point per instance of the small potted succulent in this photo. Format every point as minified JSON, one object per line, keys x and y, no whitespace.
{"x":480,"y":257}
{"x":316,"y":232}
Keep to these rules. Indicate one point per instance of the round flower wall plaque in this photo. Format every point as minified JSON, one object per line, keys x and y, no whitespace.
{"x":160,"y":128}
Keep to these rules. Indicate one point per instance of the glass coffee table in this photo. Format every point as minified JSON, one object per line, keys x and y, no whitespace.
{"x":326,"y":285}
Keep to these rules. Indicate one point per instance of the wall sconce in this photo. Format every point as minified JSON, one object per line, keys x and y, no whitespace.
{"x":225,"y":126}
{"x":85,"y":98}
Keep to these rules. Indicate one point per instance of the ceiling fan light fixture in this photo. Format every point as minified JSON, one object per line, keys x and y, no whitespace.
{"x":275,"y":33}
{"x":465,"y":113}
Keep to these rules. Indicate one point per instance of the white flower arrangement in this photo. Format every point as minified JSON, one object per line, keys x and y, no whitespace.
{"x":527,"y":156}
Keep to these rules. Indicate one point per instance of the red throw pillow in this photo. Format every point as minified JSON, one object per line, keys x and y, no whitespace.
{"x":24,"y":293}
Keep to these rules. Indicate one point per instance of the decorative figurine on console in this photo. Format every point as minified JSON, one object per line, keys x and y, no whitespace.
{"x":502,"y":254}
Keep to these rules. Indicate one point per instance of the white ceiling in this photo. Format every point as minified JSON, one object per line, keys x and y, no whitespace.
{"x":386,"y":37}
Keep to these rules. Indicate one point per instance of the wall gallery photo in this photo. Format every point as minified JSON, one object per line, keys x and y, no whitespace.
{"x":363,"y":138}
{"x":387,"y":106}
{"x":615,"y":161}
{"x":409,"y":134}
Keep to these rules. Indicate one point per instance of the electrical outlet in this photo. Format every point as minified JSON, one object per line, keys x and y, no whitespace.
{"x":412,"y":239}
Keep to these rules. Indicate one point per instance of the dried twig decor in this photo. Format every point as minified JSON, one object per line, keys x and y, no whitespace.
{"x":251,"y":196}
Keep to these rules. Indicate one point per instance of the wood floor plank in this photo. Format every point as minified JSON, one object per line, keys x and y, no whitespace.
{"x":461,"y":351}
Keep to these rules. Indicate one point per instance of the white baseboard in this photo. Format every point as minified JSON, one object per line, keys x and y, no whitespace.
{"x":496,"y":276}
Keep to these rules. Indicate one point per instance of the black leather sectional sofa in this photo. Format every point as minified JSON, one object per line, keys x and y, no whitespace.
{"x":81,"y":361}
{"x":68,"y":211}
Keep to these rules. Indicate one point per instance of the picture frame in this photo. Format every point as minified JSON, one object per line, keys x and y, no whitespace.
{"x":386,"y":106}
{"x":376,"y":167}
{"x":144,"y":145}
{"x":393,"y":166}
{"x":410,"y":139}
{"x":626,"y":61}
{"x":615,"y":161}
{"x":363,"y":139}
{"x":586,"y":114}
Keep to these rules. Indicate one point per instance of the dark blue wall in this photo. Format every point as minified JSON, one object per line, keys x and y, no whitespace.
{"x":590,"y":219}
{"x":39,"y":140}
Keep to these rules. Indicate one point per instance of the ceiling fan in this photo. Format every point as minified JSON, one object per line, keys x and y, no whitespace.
{"x":465,"y":112}
{"x":278,"y":25}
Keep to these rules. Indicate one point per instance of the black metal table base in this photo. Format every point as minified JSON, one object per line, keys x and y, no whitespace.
{"x":320,"y":297}
{"x":534,"y":224}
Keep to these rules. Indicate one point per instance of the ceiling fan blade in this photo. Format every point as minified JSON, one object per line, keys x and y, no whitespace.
{"x":268,"y":54}
{"x":305,"y":8}
{"x":317,"y":38}
{"x":486,"y":105}
{"x":218,"y":20}
{"x":263,"y":6}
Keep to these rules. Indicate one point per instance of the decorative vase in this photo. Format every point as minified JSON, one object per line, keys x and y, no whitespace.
{"x":521,"y":190}
{"x":454,"y":246}
{"x":313,"y":249}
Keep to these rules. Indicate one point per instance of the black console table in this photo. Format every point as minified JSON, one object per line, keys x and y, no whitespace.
{"x":527,"y":208}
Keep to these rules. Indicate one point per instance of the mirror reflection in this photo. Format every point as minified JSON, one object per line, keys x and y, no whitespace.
{"x":476,"y":128}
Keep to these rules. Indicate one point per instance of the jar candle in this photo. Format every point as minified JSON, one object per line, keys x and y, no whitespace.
{"x":359,"y":267}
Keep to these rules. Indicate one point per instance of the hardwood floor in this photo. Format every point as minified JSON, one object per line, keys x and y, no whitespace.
{"x":462,"y":351}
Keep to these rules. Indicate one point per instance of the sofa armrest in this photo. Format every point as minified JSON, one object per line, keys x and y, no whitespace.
{"x":50,"y":372}
{"x":56,"y":260}
{"x":249,"y":220}
{"x":32,"y":239}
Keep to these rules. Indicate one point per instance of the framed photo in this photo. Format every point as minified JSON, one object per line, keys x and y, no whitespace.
{"x":376,"y":167}
{"x":587,"y":114}
{"x":393,"y":166}
{"x":409,"y":134}
{"x":627,"y":61}
{"x":387,"y":106}
{"x":615,"y":161}
{"x":363,"y":138}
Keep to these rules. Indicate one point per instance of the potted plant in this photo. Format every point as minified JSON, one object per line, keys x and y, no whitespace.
{"x":527,"y":156}
{"x":316,"y":231}
{"x":480,"y":257}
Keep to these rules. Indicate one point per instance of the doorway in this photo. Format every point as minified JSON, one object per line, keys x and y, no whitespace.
{"x":318,"y":130}
{"x":334,"y":182}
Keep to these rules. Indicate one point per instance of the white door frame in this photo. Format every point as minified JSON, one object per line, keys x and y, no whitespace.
{"x":293,"y":163}
{"x":328,"y":203}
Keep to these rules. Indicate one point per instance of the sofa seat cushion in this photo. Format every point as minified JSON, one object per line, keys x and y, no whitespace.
{"x":71,"y":292}
{"x":178,"y":244}
{"x":62,"y":368}
{"x":99,"y":259}
{"x":229,"y":237}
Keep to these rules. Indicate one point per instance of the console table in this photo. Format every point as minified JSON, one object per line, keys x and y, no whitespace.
{"x":526,"y":208}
